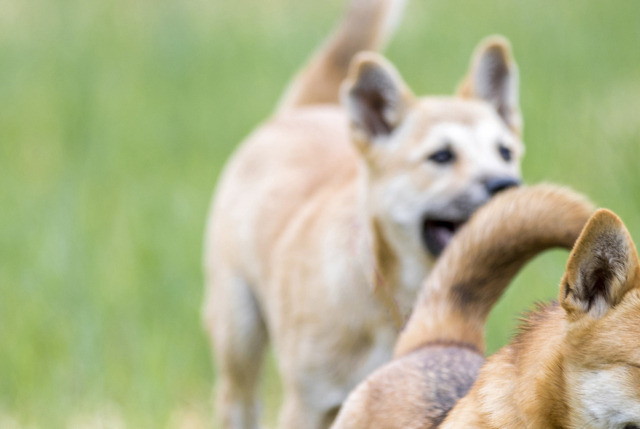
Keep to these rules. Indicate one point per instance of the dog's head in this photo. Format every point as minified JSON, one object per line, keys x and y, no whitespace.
{"x":600,"y":293}
{"x":432,"y":161}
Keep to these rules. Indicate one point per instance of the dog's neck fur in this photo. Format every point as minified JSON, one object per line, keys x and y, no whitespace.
{"x":396,"y":270}
{"x":399,"y":270}
{"x":527,"y":379}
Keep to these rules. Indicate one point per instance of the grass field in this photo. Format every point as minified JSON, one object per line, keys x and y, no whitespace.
{"x":116,"y":118}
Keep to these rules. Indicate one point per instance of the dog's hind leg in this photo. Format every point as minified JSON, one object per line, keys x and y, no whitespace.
{"x":237,"y":330}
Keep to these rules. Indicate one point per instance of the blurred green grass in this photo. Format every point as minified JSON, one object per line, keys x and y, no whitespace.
{"x":117,"y":116}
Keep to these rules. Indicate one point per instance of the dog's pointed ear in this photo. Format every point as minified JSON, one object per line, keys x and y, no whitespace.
{"x":493,"y":77}
{"x":602,"y":267}
{"x":375,"y":96}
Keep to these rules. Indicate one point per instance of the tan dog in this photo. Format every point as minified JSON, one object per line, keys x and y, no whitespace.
{"x":440,"y":352}
{"x":327,"y":218}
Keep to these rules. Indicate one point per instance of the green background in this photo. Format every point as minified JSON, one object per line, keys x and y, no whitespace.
{"x":116,"y":117}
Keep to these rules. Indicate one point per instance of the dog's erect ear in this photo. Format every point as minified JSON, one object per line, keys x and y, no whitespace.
{"x":493,"y":77}
{"x":375,"y":96}
{"x":602,"y":267}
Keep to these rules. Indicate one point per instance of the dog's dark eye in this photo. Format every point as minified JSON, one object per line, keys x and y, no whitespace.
{"x":631,"y":426}
{"x":505,"y":152}
{"x":444,"y":156}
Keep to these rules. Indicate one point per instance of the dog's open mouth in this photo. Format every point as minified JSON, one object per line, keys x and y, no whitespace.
{"x":438,"y":233}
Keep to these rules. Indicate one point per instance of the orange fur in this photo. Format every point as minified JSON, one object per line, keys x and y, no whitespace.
{"x":439,"y":353}
{"x":574,"y":365}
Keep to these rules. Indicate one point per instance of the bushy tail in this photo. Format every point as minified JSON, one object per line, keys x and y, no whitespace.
{"x":484,"y":256}
{"x":366,"y":26}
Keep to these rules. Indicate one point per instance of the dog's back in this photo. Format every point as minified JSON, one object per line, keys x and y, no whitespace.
{"x":272,"y":180}
{"x":302,"y":149}
{"x":269,"y":179}
{"x":414,"y":391}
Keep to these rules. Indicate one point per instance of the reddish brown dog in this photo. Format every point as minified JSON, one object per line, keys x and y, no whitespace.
{"x":439,"y":354}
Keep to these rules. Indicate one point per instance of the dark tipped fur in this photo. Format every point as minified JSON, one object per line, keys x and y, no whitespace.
{"x":495,"y":244}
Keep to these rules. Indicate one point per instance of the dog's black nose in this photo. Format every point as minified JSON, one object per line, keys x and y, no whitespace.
{"x":497,"y":184}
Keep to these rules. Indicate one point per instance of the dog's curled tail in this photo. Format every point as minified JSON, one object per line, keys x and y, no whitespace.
{"x":367,"y":25}
{"x":484,"y":256}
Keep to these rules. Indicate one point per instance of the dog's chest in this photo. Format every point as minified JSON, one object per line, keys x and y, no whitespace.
{"x":413,"y":272}
{"x":400,"y":268}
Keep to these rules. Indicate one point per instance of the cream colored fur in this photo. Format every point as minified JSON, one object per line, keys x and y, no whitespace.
{"x":316,"y":237}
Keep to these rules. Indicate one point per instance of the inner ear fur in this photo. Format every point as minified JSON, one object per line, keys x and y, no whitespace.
{"x":602,"y":267}
{"x":493,"y":77}
{"x":375,"y":96}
